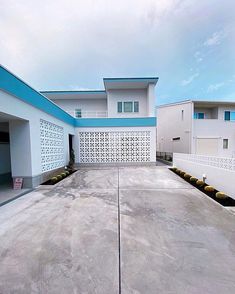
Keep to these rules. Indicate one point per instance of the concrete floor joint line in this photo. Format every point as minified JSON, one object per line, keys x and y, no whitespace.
{"x":119,"y":241}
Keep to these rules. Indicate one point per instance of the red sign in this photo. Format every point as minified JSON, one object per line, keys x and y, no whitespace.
{"x":18,"y":182}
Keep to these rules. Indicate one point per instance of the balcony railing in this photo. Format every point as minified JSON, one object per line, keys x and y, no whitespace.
{"x":89,"y":114}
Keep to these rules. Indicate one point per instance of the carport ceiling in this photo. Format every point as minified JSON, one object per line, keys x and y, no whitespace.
{"x":6,"y":117}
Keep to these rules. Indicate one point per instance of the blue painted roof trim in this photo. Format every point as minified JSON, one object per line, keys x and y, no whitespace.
{"x":115,"y":122}
{"x":18,"y":88}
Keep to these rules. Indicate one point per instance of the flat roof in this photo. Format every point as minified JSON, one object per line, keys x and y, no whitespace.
{"x":150,"y":79}
{"x":109,"y":83}
{"x":214,"y":102}
{"x":91,"y":94}
{"x":129,"y":83}
{"x":73,"y":91}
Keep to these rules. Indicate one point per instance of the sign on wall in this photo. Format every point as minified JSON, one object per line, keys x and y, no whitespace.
{"x":17,"y":183}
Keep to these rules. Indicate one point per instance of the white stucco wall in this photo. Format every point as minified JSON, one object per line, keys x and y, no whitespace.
{"x":151,"y":100}
{"x":216,"y":129}
{"x":127,"y":95}
{"x":171,"y":124}
{"x":88,"y":104}
{"x":21,"y":110}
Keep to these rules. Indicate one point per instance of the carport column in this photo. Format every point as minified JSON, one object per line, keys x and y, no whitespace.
{"x":76,"y":146}
{"x":21,"y":164}
{"x":151,"y":100}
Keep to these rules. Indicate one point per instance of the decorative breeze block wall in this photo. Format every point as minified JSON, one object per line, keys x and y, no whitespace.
{"x":108,"y":147}
{"x":52,"y":145}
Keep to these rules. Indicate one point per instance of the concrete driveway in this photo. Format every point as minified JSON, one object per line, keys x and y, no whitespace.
{"x":127,"y":230}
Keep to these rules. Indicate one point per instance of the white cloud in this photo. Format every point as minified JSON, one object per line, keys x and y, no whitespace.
{"x":61,"y":44}
{"x":214,"y":39}
{"x":215,"y":87}
{"x":198,"y":56}
{"x":189,"y":80}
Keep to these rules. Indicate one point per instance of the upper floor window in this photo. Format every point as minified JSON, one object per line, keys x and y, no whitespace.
{"x":136,"y":106}
{"x":225,"y":143}
{"x":199,"y":115}
{"x":229,"y":115}
{"x":119,"y":106}
{"x":78,"y":113}
{"x":128,"y":106}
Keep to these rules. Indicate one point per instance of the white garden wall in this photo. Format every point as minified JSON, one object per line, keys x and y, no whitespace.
{"x":219,"y":171}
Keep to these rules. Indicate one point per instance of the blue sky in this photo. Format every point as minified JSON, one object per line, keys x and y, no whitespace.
{"x":73,"y":44}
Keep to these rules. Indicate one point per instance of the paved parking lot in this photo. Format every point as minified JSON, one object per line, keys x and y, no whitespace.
{"x":127,"y":230}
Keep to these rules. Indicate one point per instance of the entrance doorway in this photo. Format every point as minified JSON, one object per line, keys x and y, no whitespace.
{"x":5,"y":157}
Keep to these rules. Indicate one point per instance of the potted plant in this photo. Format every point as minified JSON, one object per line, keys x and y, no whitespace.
{"x":71,"y":160}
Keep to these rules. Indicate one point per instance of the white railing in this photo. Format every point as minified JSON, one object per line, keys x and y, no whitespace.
{"x":214,"y":161}
{"x":90,"y":114}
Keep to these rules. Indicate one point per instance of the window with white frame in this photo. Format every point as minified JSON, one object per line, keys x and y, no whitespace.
{"x":225,"y":143}
{"x":78,"y":113}
{"x":229,"y":115}
{"x":119,"y":107}
{"x":136,"y":106}
{"x":127,"y":106}
{"x":199,"y":115}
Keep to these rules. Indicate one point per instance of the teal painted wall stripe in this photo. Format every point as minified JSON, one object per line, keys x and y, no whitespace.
{"x":14,"y":86}
{"x":116,"y":122}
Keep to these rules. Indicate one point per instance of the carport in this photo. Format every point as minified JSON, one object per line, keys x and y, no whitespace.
{"x":14,"y":154}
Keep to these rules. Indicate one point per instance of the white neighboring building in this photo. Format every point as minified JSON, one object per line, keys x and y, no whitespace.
{"x":198,"y":127}
{"x":115,"y":125}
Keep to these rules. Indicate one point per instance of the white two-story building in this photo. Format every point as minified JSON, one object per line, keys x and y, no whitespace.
{"x":198,"y":127}
{"x":39,"y":129}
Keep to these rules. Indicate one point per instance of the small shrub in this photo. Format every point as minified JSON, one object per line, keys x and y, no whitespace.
{"x":67,"y":172}
{"x":187,"y":176}
{"x":178,"y":171}
{"x":182,"y":173}
{"x":193,"y":179}
{"x":63,"y":175}
{"x":59,"y":177}
{"x":209,"y":189}
{"x":54,"y":180}
{"x":200,"y":183}
{"x":221,"y":195}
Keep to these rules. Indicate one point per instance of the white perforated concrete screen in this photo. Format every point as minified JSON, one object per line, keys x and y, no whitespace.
{"x":52,"y":145}
{"x":108,"y":147}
